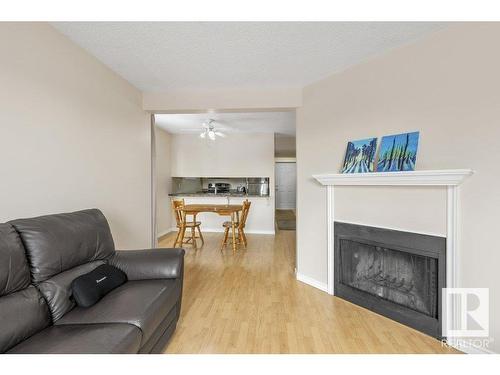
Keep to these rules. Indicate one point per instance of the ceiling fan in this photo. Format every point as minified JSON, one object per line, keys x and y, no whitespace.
{"x":210,"y":132}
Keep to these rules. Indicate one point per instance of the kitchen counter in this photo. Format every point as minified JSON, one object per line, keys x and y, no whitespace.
{"x":218,"y":195}
{"x":260,"y":218}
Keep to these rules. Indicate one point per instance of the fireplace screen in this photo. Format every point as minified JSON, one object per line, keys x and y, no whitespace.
{"x":407,"y":279}
{"x":396,"y":274}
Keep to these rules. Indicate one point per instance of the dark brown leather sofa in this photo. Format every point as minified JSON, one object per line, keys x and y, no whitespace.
{"x":40,"y":257}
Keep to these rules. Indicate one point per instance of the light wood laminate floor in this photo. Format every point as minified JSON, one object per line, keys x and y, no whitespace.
{"x":250,"y":302}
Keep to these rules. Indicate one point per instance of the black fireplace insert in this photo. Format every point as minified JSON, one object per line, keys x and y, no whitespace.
{"x":394,"y":273}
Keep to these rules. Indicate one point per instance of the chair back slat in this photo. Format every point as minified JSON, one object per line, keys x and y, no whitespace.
{"x":178,"y":207}
{"x":244,"y":213}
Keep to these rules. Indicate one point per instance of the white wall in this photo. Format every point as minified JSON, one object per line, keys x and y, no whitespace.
{"x":163,"y":182}
{"x":446,"y":86}
{"x":237,"y":155}
{"x":73,"y":134}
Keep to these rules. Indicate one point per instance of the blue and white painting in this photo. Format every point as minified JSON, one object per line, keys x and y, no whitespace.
{"x":360,"y":156}
{"x":398,"y":152}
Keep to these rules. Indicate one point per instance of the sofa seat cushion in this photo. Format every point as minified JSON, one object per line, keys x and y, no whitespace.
{"x":83,"y":339}
{"x":143,"y":303}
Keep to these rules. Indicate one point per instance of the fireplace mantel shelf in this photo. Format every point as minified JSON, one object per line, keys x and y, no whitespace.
{"x":445,"y":177}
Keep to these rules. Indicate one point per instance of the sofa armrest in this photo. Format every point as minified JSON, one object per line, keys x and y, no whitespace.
{"x":150,"y":264}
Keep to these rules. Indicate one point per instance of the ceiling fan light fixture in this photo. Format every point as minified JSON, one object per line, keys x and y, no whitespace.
{"x":209,"y":131}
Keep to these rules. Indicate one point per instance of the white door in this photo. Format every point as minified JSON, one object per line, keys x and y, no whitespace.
{"x":286,"y":176}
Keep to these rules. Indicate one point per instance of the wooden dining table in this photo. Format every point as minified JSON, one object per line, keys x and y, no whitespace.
{"x":232,"y":210}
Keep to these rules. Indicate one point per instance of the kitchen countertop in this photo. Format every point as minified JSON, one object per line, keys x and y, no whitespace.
{"x":219,"y":195}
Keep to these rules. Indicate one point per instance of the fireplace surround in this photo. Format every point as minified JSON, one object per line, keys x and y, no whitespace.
{"x":394,"y":273}
{"x":451,"y":179}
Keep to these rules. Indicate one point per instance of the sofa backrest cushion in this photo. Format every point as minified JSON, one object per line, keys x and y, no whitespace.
{"x":57,"y":243}
{"x":57,"y":290}
{"x":22,"y":314}
{"x":23,"y":311}
{"x":14,"y":271}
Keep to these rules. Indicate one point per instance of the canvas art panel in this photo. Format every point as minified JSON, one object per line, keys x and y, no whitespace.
{"x":360,"y":156}
{"x":398,"y":152}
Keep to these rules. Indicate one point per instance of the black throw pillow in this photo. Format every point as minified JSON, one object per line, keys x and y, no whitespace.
{"x":91,"y":287}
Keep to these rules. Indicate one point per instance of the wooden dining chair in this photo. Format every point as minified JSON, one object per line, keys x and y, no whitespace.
{"x":240,"y":226}
{"x":183,"y":224}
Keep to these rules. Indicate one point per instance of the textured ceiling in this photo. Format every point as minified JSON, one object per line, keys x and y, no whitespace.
{"x":162,"y":56}
{"x":248,"y":122}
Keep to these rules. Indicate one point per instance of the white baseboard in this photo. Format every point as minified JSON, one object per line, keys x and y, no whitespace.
{"x":221,"y":230}
{"x":314,"y":283}
{"x":161,"y":234}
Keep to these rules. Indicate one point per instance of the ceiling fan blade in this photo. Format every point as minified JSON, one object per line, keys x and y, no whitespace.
{"x":203,"y":135}
{"x":219,"y":134}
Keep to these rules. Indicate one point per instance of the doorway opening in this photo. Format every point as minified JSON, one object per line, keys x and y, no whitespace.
{"x":218,"y":157}
{"x":285,"y":172}
{"x":286,"y":194}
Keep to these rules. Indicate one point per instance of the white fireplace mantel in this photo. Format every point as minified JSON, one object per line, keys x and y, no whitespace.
{"x":450,"y":178}
{"x":446,"y":177}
